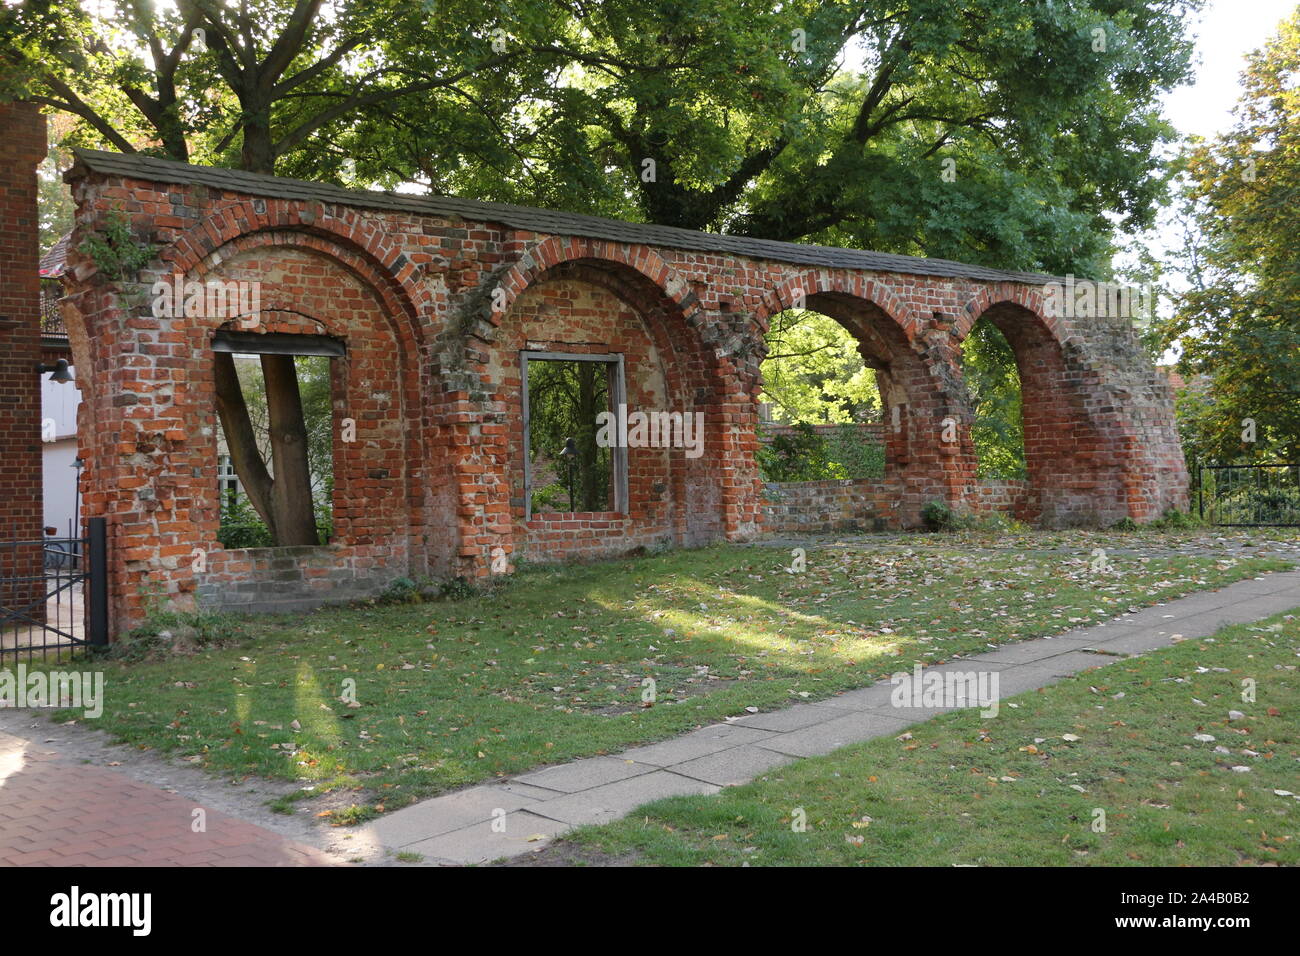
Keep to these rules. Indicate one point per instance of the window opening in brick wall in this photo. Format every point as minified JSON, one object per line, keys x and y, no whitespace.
{"x":275,"y":447}
{"x":566,"y":470}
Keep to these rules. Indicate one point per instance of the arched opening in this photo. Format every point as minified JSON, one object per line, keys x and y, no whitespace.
{"x":820,"y":413}
{"x":1066,"y":458}
{"x":993,"y":385}
{"x":876,"y":390}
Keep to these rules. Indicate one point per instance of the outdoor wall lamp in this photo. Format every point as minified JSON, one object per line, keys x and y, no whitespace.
{"x":58,"y":371}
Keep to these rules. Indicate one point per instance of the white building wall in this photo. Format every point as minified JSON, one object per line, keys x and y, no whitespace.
{"x":59,"y":413}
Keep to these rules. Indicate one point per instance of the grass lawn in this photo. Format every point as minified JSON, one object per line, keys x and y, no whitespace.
{"x":1023,"y":788}
{"x":550,"y":667}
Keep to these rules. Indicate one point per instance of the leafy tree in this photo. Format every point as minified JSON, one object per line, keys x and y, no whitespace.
{"x":564,"y":399}
{"x":247,"y":85}
{"x":802,"y":455}
{"x":313,"y":387}
{"x":240,"y":86}
{"x":814,"y":373}
{"x":1238,"y":325}
{"x":799,"y":120}
{"x":54,"y":200}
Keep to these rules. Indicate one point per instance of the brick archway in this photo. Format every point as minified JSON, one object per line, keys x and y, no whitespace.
{"x":1068,"y":447}
{"x":670,"y":333}
{"x":555,"y":250}
{"x":344,"y":235}
{"x":916,"y":388}
{"x":787,"y":295}
{"x":312,"y":282}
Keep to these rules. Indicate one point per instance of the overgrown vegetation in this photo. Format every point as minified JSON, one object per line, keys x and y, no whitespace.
{"x":993,"y":383}
{"x":564,"y":399}
{"x":807,"y":454}
{"x":116,"y":250}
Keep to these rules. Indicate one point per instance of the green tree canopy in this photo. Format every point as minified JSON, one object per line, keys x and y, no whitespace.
{"x":1238,"y":326}
{"x":807,"y":120}
{"x":814,"y":373}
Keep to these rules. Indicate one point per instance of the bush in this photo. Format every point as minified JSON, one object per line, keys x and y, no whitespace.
{"x":169,"y":632}
{"x":457,"y":589}
{"x":802,"y":455}
{"x":401,"y":591}
{"x":241,"y":526}
{"x":1175,"y":520}
{"x":807,"y":454}
{"x":938,"y":516}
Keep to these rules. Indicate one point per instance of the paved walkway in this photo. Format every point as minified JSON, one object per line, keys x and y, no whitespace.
{"x":58,"y":812}
{"x":501,"y":820}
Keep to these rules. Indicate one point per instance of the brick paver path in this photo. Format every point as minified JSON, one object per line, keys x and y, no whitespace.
{"x":57,"y":812}
{"x":506,"y":819}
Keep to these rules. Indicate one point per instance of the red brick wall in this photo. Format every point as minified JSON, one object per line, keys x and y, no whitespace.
{"x":847,"y":504}
{"x":161,"y":424}
{"x":22,"y":147}
{"x":573,"y":316}
{"x":435,"y":312}
{"x":869,"y":433}
{"x":1006,"y":496}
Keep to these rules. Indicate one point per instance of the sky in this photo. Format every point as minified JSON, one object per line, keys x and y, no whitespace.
{"x":1226,"y":31}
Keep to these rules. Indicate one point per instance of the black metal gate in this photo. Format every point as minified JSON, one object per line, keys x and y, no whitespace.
{"x":54,"y":595}
{"x":1265,"y":495}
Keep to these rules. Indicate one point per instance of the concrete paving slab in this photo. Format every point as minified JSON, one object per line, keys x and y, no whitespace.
{"x":695,"y":744}
{"x":583,"y":774}
{"x":731,"y":768}
{"x":479,"y":843}
{"x":1266,"y":605}
{"x":864,"y":698}
{"x":1027,"y":651}
{"x":1083,"y":636}
{"x":1268,"y":584}
{"x":528,"y":790}
{"x":977,"y":662}
{"x":821,"y":739}
{"x":1040,"y":673}
{"x":792,"y":718}
{"x":615,"y":800}
{"x":439,"y":815}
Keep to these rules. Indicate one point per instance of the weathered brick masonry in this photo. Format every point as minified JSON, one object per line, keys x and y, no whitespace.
{"x":22,"y":147}
{"x":435,"y":298}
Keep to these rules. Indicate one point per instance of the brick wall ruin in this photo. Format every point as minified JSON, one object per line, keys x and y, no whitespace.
{"x":436,"y":297}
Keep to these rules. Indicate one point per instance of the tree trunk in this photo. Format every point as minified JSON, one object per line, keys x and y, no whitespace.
{"x":589,"y":475}
{"x":291,"y":490}
{"x":258,"y":153}
{"x":241,"y":441}
{"x":284,"y":501}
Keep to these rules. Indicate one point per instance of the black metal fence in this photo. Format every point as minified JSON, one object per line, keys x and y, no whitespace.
{"x":53,"y":595}
{"x":1262,"y":495}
